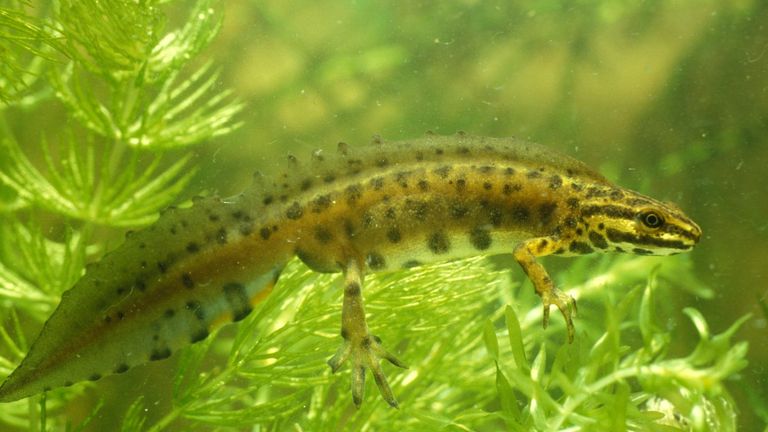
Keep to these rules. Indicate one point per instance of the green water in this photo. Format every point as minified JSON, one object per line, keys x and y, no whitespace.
{"x":668,"y":98}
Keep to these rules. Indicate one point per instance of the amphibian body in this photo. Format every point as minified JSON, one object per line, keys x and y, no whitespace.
{"x":358,"y":210}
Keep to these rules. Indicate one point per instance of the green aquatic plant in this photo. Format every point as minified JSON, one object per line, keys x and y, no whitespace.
{"x":133,"y":101}
{"x":469,"y":331}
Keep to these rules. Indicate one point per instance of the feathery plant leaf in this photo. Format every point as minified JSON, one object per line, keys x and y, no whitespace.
{"x":111,"y":189}
{"x":118,"y":74}
{"x":24,"y":42}
{"x":34,"y":270}
{"x":151,"y":105}
{"x":111,"y":38}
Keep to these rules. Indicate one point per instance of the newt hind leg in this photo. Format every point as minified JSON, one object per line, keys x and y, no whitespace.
{"x":364,"y":350}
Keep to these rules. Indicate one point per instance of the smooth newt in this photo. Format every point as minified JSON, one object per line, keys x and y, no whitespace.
{"x":381,"y":207}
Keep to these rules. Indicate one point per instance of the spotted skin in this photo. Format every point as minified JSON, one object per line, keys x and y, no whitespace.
{"x":381,"y":207}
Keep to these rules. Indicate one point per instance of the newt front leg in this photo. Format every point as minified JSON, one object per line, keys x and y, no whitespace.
{"x":526,"y":253}
{"x":364,"y":350}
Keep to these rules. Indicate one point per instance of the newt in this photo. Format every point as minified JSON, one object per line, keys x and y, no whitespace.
{"x":380,"y":207}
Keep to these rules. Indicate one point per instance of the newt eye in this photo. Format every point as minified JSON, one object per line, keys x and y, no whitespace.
{"x":651,"y":219}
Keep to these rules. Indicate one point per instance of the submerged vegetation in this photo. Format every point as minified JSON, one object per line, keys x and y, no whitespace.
{"x":129,"y":97}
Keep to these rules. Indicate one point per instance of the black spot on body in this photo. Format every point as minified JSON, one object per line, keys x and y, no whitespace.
{"x":546,"y":210}
{"x":186,"y":280}
{"x":480,"y":238}
{"x":237,"y":298}
{"x":393,"y":235}
{"x":169,"y":313}
{"x":462,"y":150}
{"x":329,"y":178}
{"x":458,"y":210}
{"x":375,"y":261}
{"x":198,"y":335}
{"x":418,"y":210}
{"x":193,"y":247}
{"x":240,"y":215}
{"x":265,"y":232}
{"x":382,"y":162}
{"x":120,"y":315}
{"x":321,"y":203}
{"x":640,"y":251}
{"x":213,"y":217}
{"x":353,"y":289}
{"x":532,"y":174}
{"x":160,"y":353}
{"x":616,"y":194}
{"x":294,"y":211}
{"x":487,"y":185}
{"x":121,"y":368}
{"x":305,"y":184}
{"x":162,"y":266}
{"x":594,"y":191}
{"x":196,"y":308}
{"x":349,"y":228}
{"x":353,"y":193}
{"x":377,"y":183}
{"x":597,"y":240}
{"x":140,"y":285}
{"x":485,"y":169}
{"x":461,"y":184}
{"x":580,"y":248}
{"x":443,"y":171}
{"x":423,"y":185}
{"x":510,"y":188}
{"x":390,"y":213}
{"x":494,"y":216}
{"x":520,"y":214}
{"x":438,"y":243}
{"x":572,"y":202}
{"x":94,"y":377}
{"x":555,"y":182}
{"x":323,"y":235}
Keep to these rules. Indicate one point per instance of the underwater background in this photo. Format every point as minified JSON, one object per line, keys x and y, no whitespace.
{"x":113,"y":110}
